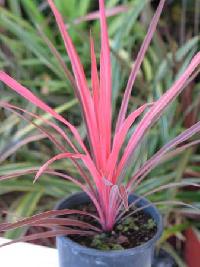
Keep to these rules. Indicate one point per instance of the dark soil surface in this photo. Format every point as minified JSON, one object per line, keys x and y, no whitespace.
{"x":136,"y":230}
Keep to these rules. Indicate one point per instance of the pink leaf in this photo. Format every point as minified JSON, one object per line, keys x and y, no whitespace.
{"x":83,"y":90}
{"x":137,"y":65}
{"x":155,"y":112}
{"x":113,"y":208}
{"x":57,"y":157}
{"x":25,"y":93}
{"x":58,"y":129}
{"x":45,"y":121}
{"x":87,"y":161}
{"x":105,"y":109}
{"x":156,"y":158}
{"x":42,"y":129}
{"x":94,"y":77}
{"x":96,"y":14}
{"x":58,"y":57}
{"x":119,"y":138}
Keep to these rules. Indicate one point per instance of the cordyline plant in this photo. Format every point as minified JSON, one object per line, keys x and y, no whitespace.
{"x":102,"y":166}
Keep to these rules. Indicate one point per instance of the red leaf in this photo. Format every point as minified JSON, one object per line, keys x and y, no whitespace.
{"x":47,"y":234}
{"x":50,"y":222}
{"x":40,"y":216}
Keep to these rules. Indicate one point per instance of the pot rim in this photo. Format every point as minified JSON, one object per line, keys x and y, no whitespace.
{"x":111,"y":253}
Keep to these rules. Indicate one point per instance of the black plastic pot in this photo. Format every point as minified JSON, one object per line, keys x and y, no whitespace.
{"x":71,"y":254}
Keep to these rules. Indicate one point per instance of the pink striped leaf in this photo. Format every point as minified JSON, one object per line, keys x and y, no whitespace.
{"x":156,"y":158}
{"x":137,"y":65}
{"x":94,"y":77}
{"x":95,"y":92}
{"x":27,"y":94}
{"x":119,"y":138}
{"x":155,"y":112}
{"x":96,"y":14}
{"x":105,"y":109}
{"x":90,"y":192}
{"x":46,"y":134}
{"x":51,"y":137}
{"x":113,"y":200}
{"x":87,"y":161}
{"x":45,"y":121}
{"x":83,"y":90}
{"x":12,"y":147}
{"x":58,"y":57}
{"x":178,"y":150}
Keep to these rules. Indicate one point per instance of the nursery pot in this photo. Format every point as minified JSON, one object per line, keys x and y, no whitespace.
{"x":71,"y":254}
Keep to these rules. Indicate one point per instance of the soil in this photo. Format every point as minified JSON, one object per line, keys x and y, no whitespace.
{"x":136,"y":230}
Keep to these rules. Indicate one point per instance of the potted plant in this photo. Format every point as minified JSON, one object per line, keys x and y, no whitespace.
{"x":106,"y":224}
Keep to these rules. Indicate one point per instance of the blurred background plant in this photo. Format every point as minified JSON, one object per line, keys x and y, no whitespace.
{"x":32,"y":51}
